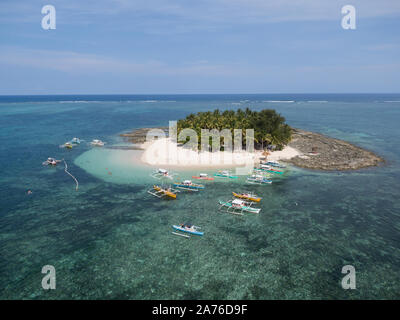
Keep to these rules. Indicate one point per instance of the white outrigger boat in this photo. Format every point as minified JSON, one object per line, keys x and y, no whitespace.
{"x":97,"y":143}
{"x":186,"y":229}
{"x":162,"y":173}
{"x":238,"y":206}
{"x":258,"y":179}
{"x":51,"y":162}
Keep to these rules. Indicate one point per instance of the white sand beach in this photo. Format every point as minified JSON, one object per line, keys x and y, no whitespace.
{"x":164,"y":152}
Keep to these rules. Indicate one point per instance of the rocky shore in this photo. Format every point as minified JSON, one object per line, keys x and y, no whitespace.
{"x":317,"y":151}
{"x":138,"y":136}
{"x":325,"y":153}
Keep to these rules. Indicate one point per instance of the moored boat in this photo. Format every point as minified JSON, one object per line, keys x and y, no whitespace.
{"x":188,"y":185}
{"x":225,"y":174}
{"x":273,"y":164}
{"x":258,"y":179}
{"x":203,"y":176}
{"x":162,"y":173}
{"x":97,"y":143}
{"x":247,"y":196}
{"x":163,"y":192}
{"x":188,"y":228}
{"x":238,"y":206}
{"x":269,"y":169}
{"x":51,"y":162}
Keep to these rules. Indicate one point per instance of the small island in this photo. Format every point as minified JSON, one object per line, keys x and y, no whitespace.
{"x":273,"y":139}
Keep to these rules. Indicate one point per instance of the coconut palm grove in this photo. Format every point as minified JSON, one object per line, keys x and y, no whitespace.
{"x":269,"y":126}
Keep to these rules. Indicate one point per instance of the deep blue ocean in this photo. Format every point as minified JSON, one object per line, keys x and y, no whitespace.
{"x":112,"y":240}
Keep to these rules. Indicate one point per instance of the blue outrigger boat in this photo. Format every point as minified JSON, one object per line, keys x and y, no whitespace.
{"x":188,"y":185}
{"x":187,"y":228}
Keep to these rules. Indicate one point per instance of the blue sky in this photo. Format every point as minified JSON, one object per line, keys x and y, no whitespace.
{"x":199,"y":46}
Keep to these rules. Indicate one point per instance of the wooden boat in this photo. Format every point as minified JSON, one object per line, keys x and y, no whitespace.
{"x":238,"y":206}
{"x":225,"y":174}
{"x":188,"y":185}
{"x":203,"y":176}
{"x":187,"y":228}
{"x":163,"y":192}
{"x":258,"y":179}
{"x":247,"y":196}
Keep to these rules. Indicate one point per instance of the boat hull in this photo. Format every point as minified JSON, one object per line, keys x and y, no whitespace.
{"x":167,"y":193}
{"x":244,"y":208}
{"x":202,"y":178}
{"x":240,"y":196}
{"x":224,"y":176}
{"x":179,"y":228}
{"x":193,"y":187}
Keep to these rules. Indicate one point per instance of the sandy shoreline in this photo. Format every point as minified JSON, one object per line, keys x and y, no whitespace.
{"x":307,"y":150}
{"x":164,"y":152}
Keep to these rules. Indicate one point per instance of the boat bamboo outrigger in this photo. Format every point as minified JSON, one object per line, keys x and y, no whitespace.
{"x":203,"y":176}
{"x":163,"y":192}
{"x":238,"y":206}
{"x":188,"y":185}
{"x":162,"y":173}
{"x":258,"y":179}
{"x":51,"y":162}
{"x":250,"y":196}
{"x":225,"y":174}
{"x":184,"y":229}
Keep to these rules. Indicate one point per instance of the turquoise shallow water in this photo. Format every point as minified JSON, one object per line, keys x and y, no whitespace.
{"x":111,"y":240}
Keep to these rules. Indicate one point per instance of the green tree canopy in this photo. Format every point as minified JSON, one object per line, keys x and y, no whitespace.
{"x":269,"y":126}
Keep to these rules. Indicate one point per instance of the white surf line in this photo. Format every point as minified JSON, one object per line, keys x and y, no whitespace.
{"x":65,"y":169}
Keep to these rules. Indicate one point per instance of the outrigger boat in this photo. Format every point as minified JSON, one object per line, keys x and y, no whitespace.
{"x":75,"y":141}
{"x":188,"y":185}
{"x":51,"y":162}
{"x":70,"y":144}
{"x":186,"y":228}
{"x":97,"y":143}
{"x":258,"y":179}
{"x":225,"y":174}
{"x":238,"y":206}
{"x":266,"y":168}
{"x":273,"y":164}
{"x":203,"y":176}
{"x":162,"y":173}
{"x":163,"y":192}
{"x":247,"y":196}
